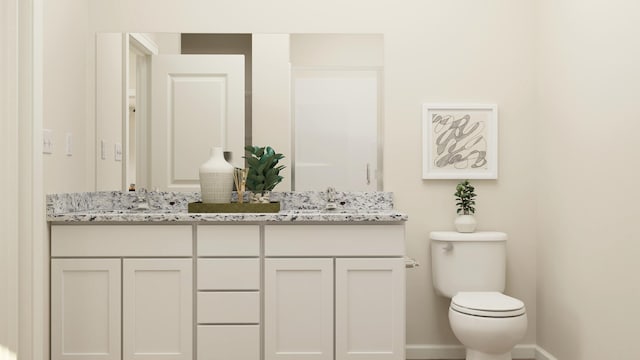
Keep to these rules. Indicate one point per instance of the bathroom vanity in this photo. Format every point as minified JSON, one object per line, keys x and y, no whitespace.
{"x":299,"y":284}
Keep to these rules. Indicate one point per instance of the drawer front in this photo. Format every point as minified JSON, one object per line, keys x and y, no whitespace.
{"x":334,"y":240}
{"x":229,"y":342}
{"x":228,"y":240}
{"x":228,"y":274}
{"x":229,"y":307}
{"x":121,"y":240}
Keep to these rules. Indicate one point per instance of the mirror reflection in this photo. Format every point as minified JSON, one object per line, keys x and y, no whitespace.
{"x":168,"y":98}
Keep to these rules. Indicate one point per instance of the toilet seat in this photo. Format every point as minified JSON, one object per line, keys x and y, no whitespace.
{"x":487,"y":304}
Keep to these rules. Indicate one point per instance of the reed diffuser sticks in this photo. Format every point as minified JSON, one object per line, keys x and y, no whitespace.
{"x":240,"y":179}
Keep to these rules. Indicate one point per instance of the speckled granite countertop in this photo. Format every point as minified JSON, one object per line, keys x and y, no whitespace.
{"x":301,"y":207}
{"x":184,"y":216}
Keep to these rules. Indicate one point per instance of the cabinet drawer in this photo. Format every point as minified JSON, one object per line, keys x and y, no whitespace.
{"x":229,"y":307}
{"x":228,"y":274}
{"x":334,"y":240}
{"x":228,"y":240}
{"x":229,"y":342}
{"x":121,"y":240}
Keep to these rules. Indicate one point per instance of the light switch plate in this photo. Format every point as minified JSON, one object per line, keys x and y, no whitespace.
{"x":47,"y":141}
{"x":118,"y":152}
{"x":103,"y":150}
{"x":69,"y":144}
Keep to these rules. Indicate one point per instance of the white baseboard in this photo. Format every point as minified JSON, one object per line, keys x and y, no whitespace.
{"x":429,"y":352}
{"x":437,"y":352}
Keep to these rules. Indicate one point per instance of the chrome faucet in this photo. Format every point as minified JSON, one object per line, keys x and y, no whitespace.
{"x":141,"y":200}
{"x":331,"y":199}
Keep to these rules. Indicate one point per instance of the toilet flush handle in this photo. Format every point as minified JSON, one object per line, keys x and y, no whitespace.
{"x":447,"y":247}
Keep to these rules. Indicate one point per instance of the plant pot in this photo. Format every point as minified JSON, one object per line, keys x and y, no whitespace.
{"x":260,"y":198}
{"x":465,"y":223}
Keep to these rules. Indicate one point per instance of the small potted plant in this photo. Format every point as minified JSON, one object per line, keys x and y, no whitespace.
{"x":264,"y":172}
{"x":465,"y":201}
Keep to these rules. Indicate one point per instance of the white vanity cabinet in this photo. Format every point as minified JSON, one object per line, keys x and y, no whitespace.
{"x":334,"y":289}
{"x":228,"y":291}
{"x":121,"y":292}
{"x":228,"y":298}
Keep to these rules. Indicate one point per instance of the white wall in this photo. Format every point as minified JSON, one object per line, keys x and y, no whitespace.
{"x":587,"y":152}
{"x":455,"y":50}
{"x":9,"y":180}
{"x":271,"y":115}
{"x":568,"y":165}
{"x":462,"y":52}
{"x":65,"y":108}
{"x":337,"y":50}
{"x":108,"y":114}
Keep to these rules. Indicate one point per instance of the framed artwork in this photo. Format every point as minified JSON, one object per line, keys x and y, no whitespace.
{"x":459,"y":141}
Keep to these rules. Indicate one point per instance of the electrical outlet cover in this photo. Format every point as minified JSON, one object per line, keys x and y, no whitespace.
{"x":47,"y":141}
{"x":118,"y":152}
{"x":69,"y":147}
{"x":103,"y":150}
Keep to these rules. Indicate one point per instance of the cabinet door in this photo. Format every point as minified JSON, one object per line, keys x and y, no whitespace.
{"x":157,"y":309}
{"x":85,"y":309}
{"x":370,"y":309}
{"x":298,"y":309}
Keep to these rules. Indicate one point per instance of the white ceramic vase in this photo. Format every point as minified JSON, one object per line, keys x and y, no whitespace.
{"x":465,"y":223}
{"x":216,"y":178}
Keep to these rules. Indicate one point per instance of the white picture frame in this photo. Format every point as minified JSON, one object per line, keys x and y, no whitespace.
{"x":459,"y":141}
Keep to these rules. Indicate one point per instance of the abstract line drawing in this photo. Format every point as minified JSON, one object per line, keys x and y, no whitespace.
{"x":459,"y":141}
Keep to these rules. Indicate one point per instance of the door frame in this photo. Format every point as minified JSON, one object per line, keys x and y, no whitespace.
{"x":145,"y":47}
{"x":25,"y":301}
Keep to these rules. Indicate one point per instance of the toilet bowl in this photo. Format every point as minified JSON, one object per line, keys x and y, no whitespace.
{"x":488,"y":324}
{"x":470,"y":269}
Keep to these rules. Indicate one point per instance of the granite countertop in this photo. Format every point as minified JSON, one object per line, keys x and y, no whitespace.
{"x":171,"y":207}
{"x":184,"y":216}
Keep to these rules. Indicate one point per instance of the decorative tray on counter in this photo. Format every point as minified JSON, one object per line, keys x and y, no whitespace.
{"x":200,"y":207}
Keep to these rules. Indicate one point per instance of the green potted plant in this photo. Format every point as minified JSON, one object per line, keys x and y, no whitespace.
{"x":264,"y":171}
{"x":465,"y":201}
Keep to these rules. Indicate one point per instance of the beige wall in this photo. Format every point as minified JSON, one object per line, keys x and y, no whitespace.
{"x":587,"y":161}
{"x":108,"y":113}
{"x":65,"y":103}
{"x":271,"y":113}
{"x":337,"y":50}
{"x":568,"y":161}
{"x":445,"y":51}
{"x":462,"y":52}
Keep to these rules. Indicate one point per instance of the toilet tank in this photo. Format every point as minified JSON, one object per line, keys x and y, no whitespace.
{"x":468,"y":261}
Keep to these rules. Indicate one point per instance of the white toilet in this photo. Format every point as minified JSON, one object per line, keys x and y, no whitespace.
{"x":470,"y":269}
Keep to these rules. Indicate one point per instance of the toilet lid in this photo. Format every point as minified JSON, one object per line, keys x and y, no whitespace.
{"x":487,"y":304}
